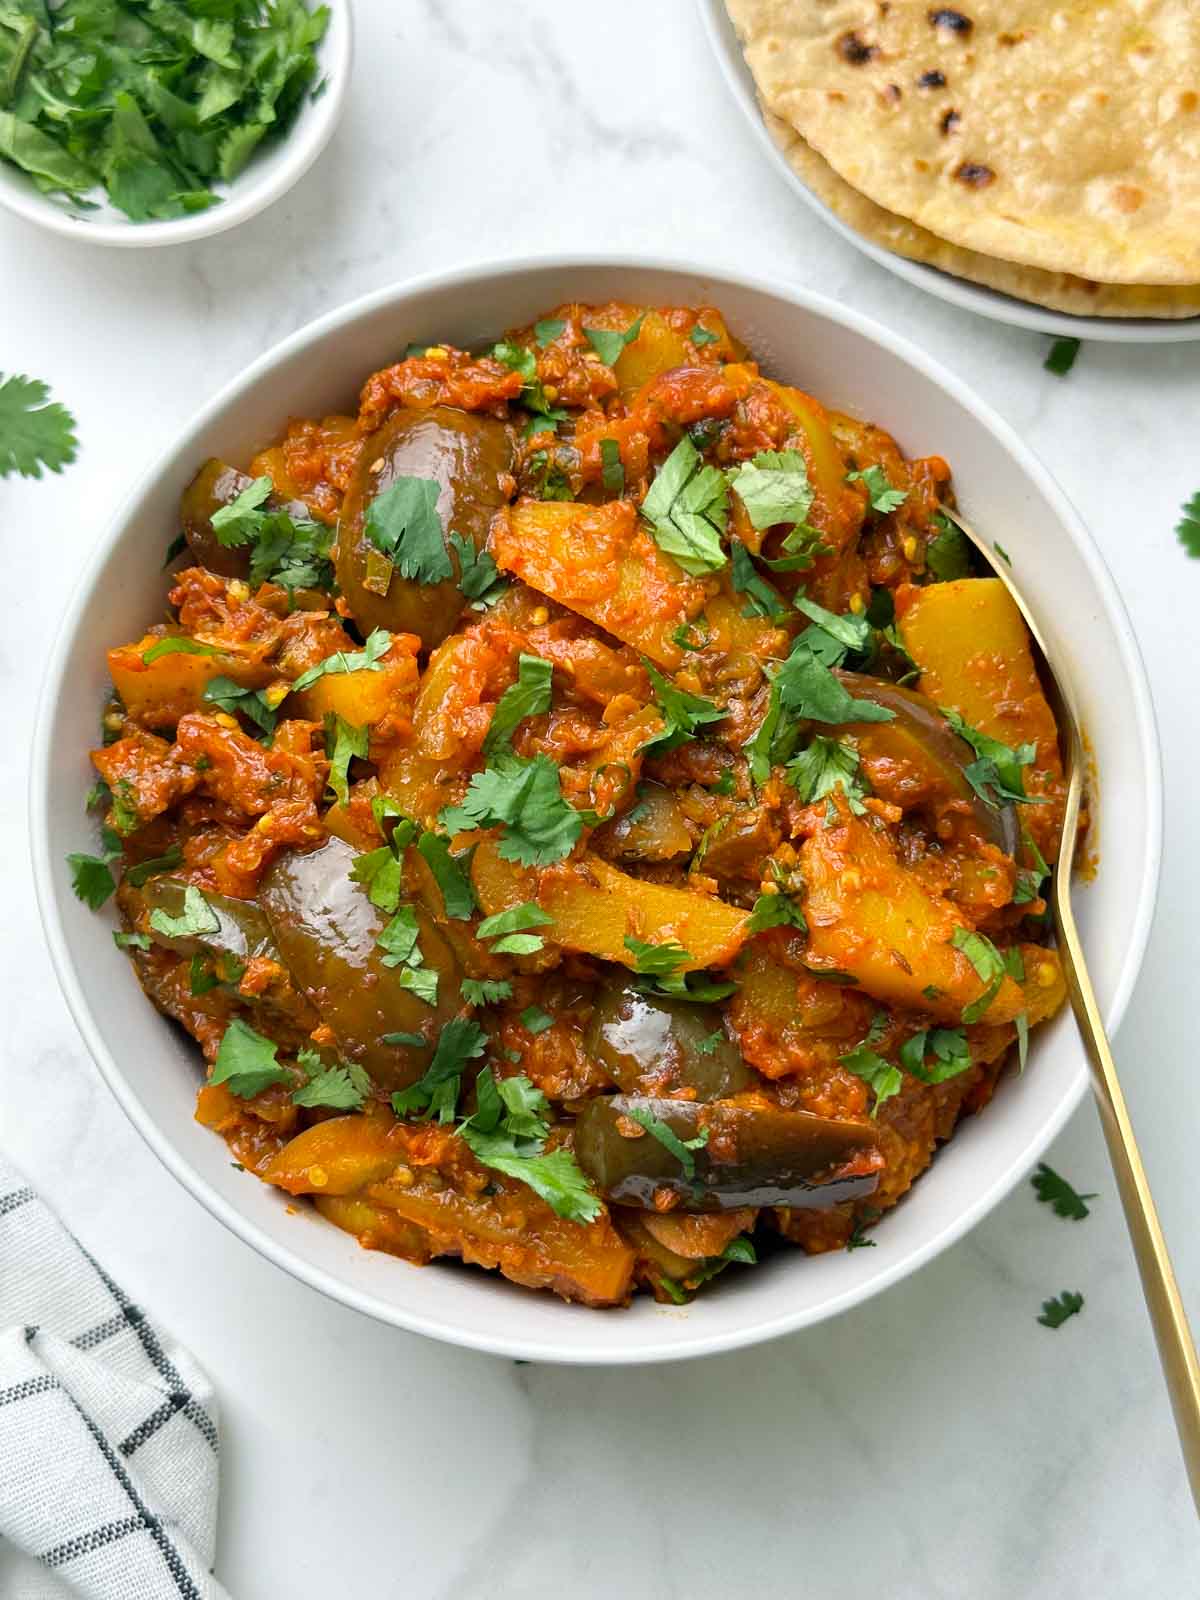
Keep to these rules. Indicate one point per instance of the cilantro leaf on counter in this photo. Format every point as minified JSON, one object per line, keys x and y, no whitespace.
{"x":880,"y":1076}
{"x":1054,"y":1190}
{"x":246,"y":1061}
{"x":1187,"y":529}
{"x":342,"y":741}
{"x":528,"y":697}
{"x":882,"y":496}
{"x":35,"y":431}
{"x":681,"y":1149}
{"x":404,"y":526}
{"x":683,"y":713}
{"x":824,"y":765}
{"x":196,"y":917}
{"x":773,"y":487}
{"x":436,"y":1093}
{"x":1061,"y":357}
{"x":1056,"y":1311}
{"x":377,"y":644}
{"x":525,"y":799}
{"x":687,"y":507}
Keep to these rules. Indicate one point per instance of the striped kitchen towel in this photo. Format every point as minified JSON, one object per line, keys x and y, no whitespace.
{"x":108,"y":1431}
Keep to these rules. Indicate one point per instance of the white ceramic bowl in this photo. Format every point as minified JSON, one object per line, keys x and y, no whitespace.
{"x":270,"y":173}
{"x":722,"y":36}
{"x":845,"y":359}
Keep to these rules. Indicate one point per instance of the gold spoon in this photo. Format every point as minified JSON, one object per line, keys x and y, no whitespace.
{"x":1176,"y":1350}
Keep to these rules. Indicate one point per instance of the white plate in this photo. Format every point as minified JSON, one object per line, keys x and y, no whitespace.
{"x":958,"y":291}
{"x":853,"y":364}
{"x":269,"y":173}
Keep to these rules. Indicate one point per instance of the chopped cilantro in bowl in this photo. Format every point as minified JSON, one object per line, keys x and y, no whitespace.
{"x":137,"y":122}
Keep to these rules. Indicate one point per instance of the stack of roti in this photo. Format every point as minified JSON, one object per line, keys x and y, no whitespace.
{"x":1051,"y":151}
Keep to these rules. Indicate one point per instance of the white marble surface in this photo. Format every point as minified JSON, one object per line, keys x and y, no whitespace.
{"x":935,"y":1443}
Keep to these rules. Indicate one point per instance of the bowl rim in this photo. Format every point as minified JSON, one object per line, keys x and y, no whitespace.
{"x":247,"y":196}
{"x":961,"y":292}
{"x":574,"y":1347}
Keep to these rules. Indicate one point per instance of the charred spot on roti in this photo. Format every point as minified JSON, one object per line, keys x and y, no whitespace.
{"x":892,"y":94}
{"x":854,"y":50}
{"x":974,"y":174}
{"x":949,"y":121}
{"x":952,"y":21}
{"x":933,"y":79}
{"x":1188,"y":100}
{"x":1127,"y":197}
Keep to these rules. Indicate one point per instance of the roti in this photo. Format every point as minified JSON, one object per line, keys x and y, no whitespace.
{"x":1063,"y":137}
{"x":1059,"y":291}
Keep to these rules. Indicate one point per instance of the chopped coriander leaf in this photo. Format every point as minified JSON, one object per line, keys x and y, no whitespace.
{"x":555,"y":1177}
{"x":408,"y":1041}
{"x":1187,"y":529}
{"x":879,"y":1075}
{"x":1061,"y":357}
{"x":479,"y":578}
{"x":1056,"y":1311}
{"x":131,"y":941}
{"x":996,"y":776}
{"x":403,"y":524}
{"x":612,"y":473}
{"x":1002,"y":552}
{"x":450,"y":875}
{"x":773,"y":486}
{"x":91,"y":877}
{"x":608,"y":345}
{"x":824,"y":765}
{"x":343,"y":741}
{"x":1030,"y":879}
{"x":485,"y":991}
{"x":725,"y":784}
{"x":989,"y":968}
{"x":762,"y":599}
{"x":848,"y":632}
{"x":683,"y":713}
{"x":692,"y":986}
{"x":342,"y":1087}
{"x":536,"y":1020}
{"x":883,"y":497}
{"x":656,"y":959}
{"x":259,"y":706}
{"x":711,"y":1042}
{"x":124,"y":815}
{"x":777,"y":910}
{"x":177,"y":644}
{"x":1054,"y":1190}
{"x":436,"y":1092}
{"x":35,"y":432}
{"x":547,"y":330}
{"x":693,"y":636}
{"x":687,"y":507}
{"x":528,"y":697}
{"x":948,"y":553}
{"x":197,"y":917}
{"x":398,"y":939}
{"x":419,"y":980}
{"x":510,"y":929}
{"x":525,"y":799}
{"x":546,"y":418}
{"x":948,"y":1047}
{"x":246,"y":1061}
{"x":136,"y":876}
{"x":858,"y":1239}
{"x":368,"y":659}
{"x":681,"y":1149}
{"x":551,"y":481}
{"x":808,"y":689}
{"x":701,"y":336}
{"x":241,"y":520}
{"x":381,"y":872}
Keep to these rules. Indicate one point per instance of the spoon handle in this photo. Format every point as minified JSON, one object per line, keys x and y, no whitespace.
{"x":1176,"y":1348}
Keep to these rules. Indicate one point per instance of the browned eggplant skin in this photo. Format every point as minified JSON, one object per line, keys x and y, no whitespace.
{"x":651,"y":1045}
{"x":756,"y":1155}
{"x":471,"y":457}
{"x":917,"y":716}
{"x":326,"y":930}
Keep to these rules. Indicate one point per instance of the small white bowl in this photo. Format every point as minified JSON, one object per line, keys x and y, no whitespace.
{"x":270,"y":172}
{"x":977,"y":297}
{"x":853,"y":364}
